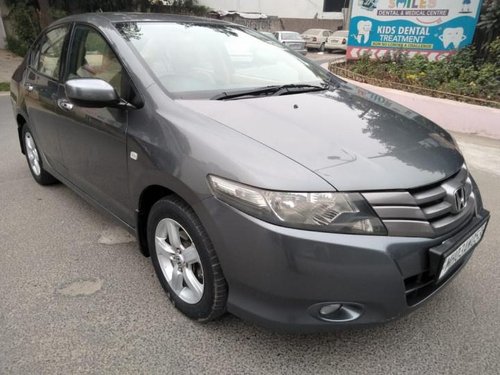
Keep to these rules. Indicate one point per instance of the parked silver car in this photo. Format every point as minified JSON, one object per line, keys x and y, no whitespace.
{"x":292,"y":40}
{"x":337,"y":41}
{"x":316,"y":38}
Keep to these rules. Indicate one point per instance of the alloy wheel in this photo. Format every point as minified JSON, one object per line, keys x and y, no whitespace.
{"x":32,"y":153}
{"x":179,"y":260}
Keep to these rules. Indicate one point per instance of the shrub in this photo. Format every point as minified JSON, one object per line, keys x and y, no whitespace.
{"x":26,"y":29}
{"x":465,"y":73}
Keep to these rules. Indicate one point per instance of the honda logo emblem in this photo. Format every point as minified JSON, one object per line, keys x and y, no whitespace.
{"x":460,"y":199}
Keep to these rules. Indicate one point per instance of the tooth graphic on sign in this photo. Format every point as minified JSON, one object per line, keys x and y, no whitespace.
{"x":364,"y":28}
{"x":452,"y":35}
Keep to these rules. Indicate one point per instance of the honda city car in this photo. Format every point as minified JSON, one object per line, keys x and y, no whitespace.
{"x":259,"y":183}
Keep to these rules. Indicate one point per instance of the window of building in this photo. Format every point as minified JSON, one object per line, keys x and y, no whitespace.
{"x":335,"y":5}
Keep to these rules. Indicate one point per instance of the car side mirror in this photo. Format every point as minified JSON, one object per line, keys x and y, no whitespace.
{"x":92,"y":93}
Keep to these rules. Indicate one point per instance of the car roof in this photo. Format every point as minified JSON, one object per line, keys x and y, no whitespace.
{"x":114,"y":17}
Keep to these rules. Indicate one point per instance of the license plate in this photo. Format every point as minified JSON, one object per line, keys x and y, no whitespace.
{"x":460,"y":252}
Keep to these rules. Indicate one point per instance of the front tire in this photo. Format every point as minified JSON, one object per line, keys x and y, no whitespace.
{"x":185,"y":261}
{"x":34,"y":158}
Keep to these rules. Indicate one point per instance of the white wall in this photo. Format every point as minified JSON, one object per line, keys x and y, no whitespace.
{"x":280,"y":8}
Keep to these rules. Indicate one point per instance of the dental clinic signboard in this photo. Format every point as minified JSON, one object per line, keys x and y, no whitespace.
{"x":434,"y":28}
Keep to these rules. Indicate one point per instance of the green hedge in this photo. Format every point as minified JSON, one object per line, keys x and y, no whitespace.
{"x":464,"y":73}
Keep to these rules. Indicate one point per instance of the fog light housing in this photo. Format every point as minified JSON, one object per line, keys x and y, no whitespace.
{"x":336,"y":312}
{"x":329,"y":309}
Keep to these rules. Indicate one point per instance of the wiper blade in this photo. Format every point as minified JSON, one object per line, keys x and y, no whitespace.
{"x":250,"y":92}
{"x":270,"y":90}
{"x":296,"y":88}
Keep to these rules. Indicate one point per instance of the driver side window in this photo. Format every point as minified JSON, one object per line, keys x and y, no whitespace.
{"x":46,"y":56}
{"x":92,"y":57}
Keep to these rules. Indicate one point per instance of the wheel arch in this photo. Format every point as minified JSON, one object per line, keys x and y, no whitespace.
{"x":148,"y":197}
{"x":20,"y":123}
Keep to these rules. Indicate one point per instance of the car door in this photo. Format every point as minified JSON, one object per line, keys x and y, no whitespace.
{"x":93,"y":140}
{"x":42,"y":87}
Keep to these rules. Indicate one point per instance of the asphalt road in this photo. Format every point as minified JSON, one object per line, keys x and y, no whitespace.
{"x":76,"y":296}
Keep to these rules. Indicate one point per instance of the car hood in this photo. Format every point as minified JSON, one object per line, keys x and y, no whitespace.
{"x":354,"y":139}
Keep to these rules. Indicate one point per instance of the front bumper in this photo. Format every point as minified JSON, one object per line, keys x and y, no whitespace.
{"x":336,"y":46}
{"x":280,"y":277}
{"x":315,"y":45}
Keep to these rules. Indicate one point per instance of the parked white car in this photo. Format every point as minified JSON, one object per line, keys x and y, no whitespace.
{"x":292,"y":40}
{"x":337,"y":41}
{"x":316,"y":38}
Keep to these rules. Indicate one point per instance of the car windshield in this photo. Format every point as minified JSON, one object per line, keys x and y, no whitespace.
{"x":200,"y":60}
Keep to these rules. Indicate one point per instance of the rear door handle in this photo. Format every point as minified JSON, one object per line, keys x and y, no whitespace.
{"x":29,"y":87}
{"x":65,"y":105}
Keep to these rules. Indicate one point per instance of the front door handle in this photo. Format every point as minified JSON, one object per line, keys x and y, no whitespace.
{"x":29,"y":87}
{"x":65,"y":104}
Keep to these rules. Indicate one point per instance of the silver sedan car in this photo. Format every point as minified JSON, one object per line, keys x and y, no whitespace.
{"x":337,"y":41}
{"x":292,"y":40}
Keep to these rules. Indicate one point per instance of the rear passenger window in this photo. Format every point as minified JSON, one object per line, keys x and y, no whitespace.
{"x":46,"y":57}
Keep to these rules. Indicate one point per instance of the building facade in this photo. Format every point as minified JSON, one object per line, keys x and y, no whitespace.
{"x":309,"y":9}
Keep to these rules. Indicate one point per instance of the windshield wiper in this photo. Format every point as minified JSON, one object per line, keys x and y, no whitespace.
{"x":270,"y":90}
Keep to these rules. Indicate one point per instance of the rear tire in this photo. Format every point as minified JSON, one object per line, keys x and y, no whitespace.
{"x":185,"y":261}
{"x":34,"y":158}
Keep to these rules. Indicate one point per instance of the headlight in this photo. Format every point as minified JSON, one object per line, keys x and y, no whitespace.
{"x":326,"y":212}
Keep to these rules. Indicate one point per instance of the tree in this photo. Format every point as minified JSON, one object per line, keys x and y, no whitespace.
{"x":44,"y":13}
{"x":488,"y":25}
{"x":28,"y":17}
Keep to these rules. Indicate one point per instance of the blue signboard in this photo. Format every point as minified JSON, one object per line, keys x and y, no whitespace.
{"x":435,"y":28}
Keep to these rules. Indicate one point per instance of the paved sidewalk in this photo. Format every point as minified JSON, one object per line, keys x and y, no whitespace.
{"x":8,"y":64}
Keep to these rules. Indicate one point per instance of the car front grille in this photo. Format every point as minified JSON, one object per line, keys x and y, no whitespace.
{"x":431,"y":211}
